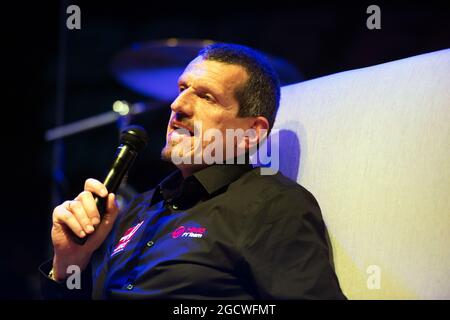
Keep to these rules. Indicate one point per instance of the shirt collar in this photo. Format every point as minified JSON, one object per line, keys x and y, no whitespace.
{"x":217,"y":176}
{"x":206,"y":182}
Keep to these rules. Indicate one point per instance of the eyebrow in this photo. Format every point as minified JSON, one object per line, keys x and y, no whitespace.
{"x":202,"y":87}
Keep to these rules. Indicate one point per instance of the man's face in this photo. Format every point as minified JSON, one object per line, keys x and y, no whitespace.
{"x":207,"y":97}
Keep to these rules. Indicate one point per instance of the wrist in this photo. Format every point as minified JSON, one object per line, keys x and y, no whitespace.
{"x":60,"y":266}
{"x":58,"y":272}
{"x":51,"y":275}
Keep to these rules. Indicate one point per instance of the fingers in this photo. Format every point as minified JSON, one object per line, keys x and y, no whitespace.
{"x":111,"y":213}
{"x":88,"y":201}
{"x":108,"y":220}
{"x":111,"y":205}
{"x":95,"y":186}
{"x":78,"y":211}
{"x":81,"y":215}
{"x":62,"y":215}
{"x":89,"y":205}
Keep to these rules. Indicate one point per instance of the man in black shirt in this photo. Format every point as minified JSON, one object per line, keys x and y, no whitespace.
{"x":212,"y":229}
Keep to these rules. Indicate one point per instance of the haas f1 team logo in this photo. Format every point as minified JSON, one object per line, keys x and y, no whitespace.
{"x":188,"y":232}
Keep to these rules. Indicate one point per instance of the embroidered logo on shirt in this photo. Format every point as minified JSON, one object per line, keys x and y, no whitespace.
{"x":126,"y":238}
{"x":188,"y":232}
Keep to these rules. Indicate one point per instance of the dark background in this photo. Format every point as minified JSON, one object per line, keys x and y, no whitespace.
{"x":317,"y":38}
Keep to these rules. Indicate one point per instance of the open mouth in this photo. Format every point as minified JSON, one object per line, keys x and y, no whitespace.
{"x":181,"y":128}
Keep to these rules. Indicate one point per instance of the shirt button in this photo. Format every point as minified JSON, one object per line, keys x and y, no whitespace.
{"x":130,"y":287}
{"x":150,"y":243}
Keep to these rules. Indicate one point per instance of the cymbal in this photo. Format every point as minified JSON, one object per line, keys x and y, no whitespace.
{"x":152,"y":68}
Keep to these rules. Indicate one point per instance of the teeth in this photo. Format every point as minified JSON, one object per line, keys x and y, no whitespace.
{"x":175,"y":127}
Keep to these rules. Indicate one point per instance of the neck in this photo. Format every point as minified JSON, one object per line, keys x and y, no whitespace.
{"x":187,"y":171}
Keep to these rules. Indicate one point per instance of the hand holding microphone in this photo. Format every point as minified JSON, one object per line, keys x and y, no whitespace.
{"x":80,"y":226}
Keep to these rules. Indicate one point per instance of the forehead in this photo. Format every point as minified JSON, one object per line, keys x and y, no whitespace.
{"x":221,"y":75}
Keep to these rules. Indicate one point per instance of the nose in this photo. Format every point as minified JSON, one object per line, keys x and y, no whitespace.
{"x":183,"y":104}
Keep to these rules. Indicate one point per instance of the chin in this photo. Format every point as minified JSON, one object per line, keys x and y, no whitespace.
{"x":165,"y":153}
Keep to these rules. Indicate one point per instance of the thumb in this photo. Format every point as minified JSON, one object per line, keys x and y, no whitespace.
{"x":108,"y":219}
{"x":112,"y":209}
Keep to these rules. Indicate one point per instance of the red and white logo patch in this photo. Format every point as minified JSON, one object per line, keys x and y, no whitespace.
{"x":188,"y":232}
{"x":126,"y":238}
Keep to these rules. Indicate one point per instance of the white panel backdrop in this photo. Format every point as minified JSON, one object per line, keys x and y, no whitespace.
{"x":374,"y":149}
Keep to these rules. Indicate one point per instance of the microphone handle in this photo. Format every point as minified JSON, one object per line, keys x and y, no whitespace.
{"x":125,"y":157}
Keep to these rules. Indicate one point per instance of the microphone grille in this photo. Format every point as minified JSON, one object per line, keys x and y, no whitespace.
{"x":135,"y":136}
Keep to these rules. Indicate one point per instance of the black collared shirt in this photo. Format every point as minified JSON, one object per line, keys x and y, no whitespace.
{"x":226,"y":232}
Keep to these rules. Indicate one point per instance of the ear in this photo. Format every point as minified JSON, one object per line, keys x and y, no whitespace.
{"x":260,"y":126}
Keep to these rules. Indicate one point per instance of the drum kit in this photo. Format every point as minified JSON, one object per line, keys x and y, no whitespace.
{"x":152,"y":69}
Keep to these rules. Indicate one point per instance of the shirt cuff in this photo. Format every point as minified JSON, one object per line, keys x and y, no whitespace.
{"x":58,"y":290}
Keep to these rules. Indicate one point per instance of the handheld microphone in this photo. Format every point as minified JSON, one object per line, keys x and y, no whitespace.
{"x":132,"y":140}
